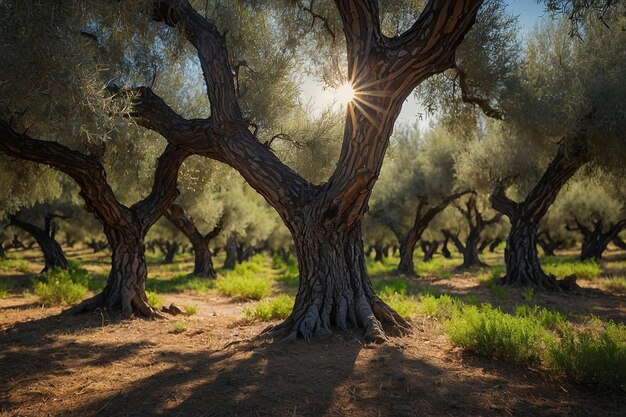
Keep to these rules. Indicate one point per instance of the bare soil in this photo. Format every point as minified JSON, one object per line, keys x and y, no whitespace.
{"x":97,"y":365}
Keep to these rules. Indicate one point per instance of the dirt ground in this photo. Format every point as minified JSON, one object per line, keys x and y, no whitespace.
{"x":96,"y":365}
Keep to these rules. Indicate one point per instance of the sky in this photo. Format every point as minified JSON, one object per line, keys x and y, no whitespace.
{"x":529,"y":12}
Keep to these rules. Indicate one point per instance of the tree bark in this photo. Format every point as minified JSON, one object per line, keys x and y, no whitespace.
{"x":444,"y":249}
{"x":53,"y":254}
{"x":3,"y":253}
{"x":379,"y":255}
{"x":231,"y":252}
{"x":335,"y":290}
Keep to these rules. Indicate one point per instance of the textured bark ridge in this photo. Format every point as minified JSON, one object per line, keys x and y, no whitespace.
{"x":203,"y":261}
{"x":335,"y":290}
{"x":53,"y":254}
{"x":124,"y":227}
{"x":521,"y":257}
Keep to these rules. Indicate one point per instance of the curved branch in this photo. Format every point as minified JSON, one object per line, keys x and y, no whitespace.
{"x":88,"y":173}
{"x":501,"y":202}
{"x":164,"y":190}
{"x":483,"y":104}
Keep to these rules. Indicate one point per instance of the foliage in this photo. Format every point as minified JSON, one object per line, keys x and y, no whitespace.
{"x":274,"y":308}
{"x":492,"y":333}
{"x":4,"y":289}
{"x":598,"y":358}
{"x":288,"y":271}
{"x":62,"y":286}
{"x":552,"y":320}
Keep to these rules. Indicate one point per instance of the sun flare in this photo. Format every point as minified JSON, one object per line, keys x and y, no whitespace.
{"x":345,"y":94}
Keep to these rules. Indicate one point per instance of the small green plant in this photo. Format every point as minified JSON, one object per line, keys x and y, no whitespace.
{"x":272,"y":309}
{"x":393,"y":286}
{"x":180,"y":327}
{"x":599,"y":358}
{"x":472,"y":299}
{"x":154,"y":300}
{"x":431,"y":267}
{"x":190,"y":310}
{"x":253,"y":287}
{"x":62,"y":286}
{"x":492,"y":333}
{"x":528,"y":294}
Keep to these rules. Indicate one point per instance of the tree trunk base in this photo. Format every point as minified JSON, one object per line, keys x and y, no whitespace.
{"x":371,"y":317}
{"x":139,"y":308}
{"x":542,"y":281}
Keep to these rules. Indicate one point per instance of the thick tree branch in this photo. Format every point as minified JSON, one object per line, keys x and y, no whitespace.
{"x":88,"y":173}
{"x":164,"y":190}
{"x":501,"y":202}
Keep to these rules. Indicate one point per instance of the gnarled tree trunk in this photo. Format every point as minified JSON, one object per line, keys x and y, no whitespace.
{"x":595,"y":241}
{"x":53,"y":254}
{"x":335,"y":290}
{"x":170,"y":251}
{"x":521,"y":257}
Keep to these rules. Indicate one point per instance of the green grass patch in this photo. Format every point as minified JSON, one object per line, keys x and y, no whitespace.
{"x":19,"y":265}
{"x":549,"y":319}
{"x":616,"y":283}
{"x":287,"y":271}
{"x":387,"y":266}
{"x":272,"y":309}
{"x":442,"y":306}
{"x":154,"y":299}
{"x":584,"y":270}
{"x":249,"y":286}
{"x":491,"y":333}
{"x":431,"y":267}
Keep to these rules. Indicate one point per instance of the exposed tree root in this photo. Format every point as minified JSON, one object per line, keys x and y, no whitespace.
{"x":135,"y":306}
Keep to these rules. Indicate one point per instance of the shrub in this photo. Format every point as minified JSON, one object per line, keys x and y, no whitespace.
{"x":247,"y":286}
{"x":275,"y":308}
{"x":587,"y":357}
{"x":154,"y":300}
{"x":62,"y":286}
{"x":493,"y":333}
{"x":550,"y":319}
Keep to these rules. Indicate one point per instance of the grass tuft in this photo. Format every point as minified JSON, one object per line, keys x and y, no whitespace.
{"x":562,"y":268}
{"x":616,"y":283}
{"x":154,"y":299}
{"x":249,"y":286}
{"x":272,"y":309}
{"x":180,"y":327}
{"x":190,"y":310}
